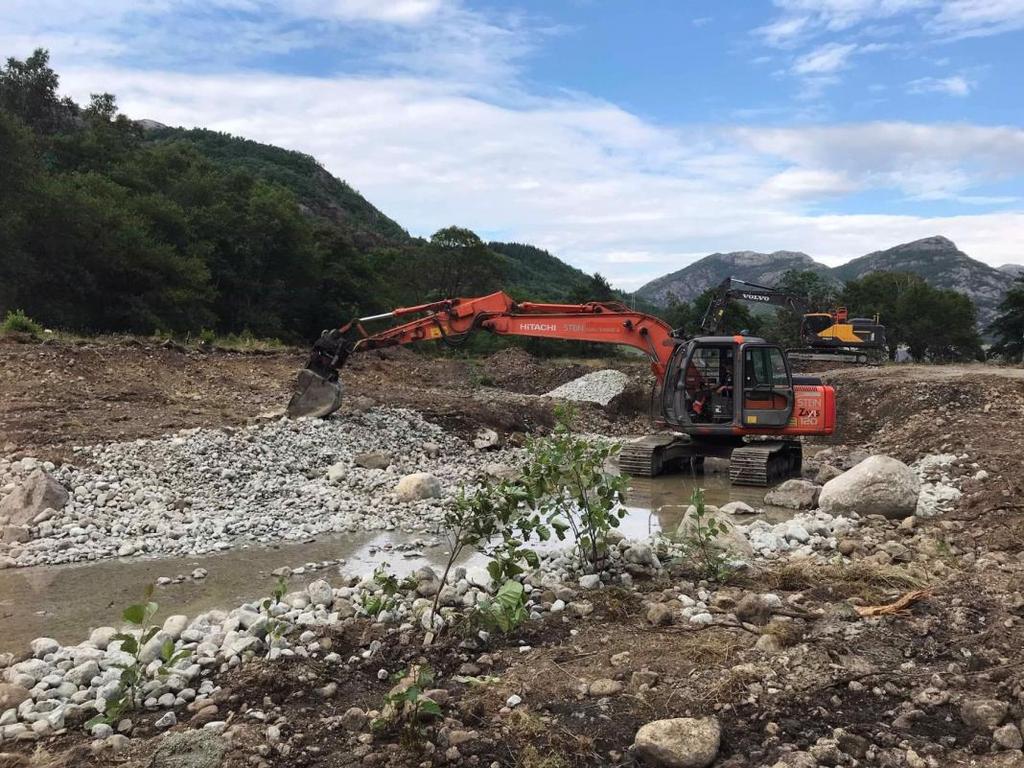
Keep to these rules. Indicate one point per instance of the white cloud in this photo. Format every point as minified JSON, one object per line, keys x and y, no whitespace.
{"x":842,"y":14}
{"x":450,"y":134}
{"x":921,"y":161}
{"x":977,"y":18}
{"x":955,"y":85}
{"x":785,"y":31}
{"x":826,"y":59}
{"x":390,"y":11}
{"x":592,"y":183}
{"x":804,"y":183}
{"x":945,"y":18}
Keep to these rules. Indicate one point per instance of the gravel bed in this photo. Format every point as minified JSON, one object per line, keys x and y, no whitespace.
{"x":203,"y":490}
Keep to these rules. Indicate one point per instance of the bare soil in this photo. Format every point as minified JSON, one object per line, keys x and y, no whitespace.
{"x":837,"y":689}
{"x":56,"y":395}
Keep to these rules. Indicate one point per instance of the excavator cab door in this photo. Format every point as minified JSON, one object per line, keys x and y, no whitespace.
{"x":698,"y":390}
{"x":767,"y":386}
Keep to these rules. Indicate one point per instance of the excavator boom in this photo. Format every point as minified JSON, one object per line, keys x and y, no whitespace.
{"x":452,"y":321}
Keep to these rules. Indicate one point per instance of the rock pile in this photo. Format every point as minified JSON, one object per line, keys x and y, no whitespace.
{"x":599,"y":387}
{"x":205,"y":489}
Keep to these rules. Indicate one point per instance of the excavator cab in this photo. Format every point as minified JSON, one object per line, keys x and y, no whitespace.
{"x":728,"y":385}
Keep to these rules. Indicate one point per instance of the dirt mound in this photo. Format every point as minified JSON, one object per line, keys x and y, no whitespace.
{"x":517,"y":370}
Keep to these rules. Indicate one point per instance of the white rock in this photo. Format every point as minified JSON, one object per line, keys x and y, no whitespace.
{"x":175,"y":625}
{"x":320,"y":592}
{"x":590,"y":581}
{"x":879,"y":485}
{"x":681,"y":742}
{"x":418,"y":486}
{"x":794,"y":494}
{"x":599,"y":387}
{"x":101,"y":637}
{"x":43,"y":646}
{"x":738,"y":508}
{"x":38,"y":492}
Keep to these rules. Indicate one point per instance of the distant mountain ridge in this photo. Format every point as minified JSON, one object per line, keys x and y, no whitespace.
{"x":937,"y":259}
{"x":942,"y":265}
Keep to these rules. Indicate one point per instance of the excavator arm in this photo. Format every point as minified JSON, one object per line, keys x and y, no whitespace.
{"x":731,"y":288}
{"x":453,"y":321}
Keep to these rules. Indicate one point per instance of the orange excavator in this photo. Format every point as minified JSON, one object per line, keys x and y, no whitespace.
{"x":725,"y":396}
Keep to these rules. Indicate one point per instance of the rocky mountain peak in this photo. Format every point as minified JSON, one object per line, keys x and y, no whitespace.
{"x":933,"y":243}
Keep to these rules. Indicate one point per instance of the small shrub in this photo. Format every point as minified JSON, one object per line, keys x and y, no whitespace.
{"x":207,"y":337}
{"x":276,"y":628}
{"x":702,"y":539}
{"x":504,"y":613}
{"x":16,"y":321}
{"x":374,"y":605}
{"x":406,"y":706}
{"x":566,"y":480}
{"x":132,"y":679}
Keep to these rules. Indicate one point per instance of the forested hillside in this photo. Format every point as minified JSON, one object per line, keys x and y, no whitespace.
{"x":322,"y":193}
{"x":110,"y":224}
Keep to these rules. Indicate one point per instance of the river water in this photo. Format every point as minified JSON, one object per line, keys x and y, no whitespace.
{"x":65,"y":602}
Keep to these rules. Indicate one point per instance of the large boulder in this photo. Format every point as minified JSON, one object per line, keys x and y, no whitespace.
{"x":417,"y":486}
{"x":879,"y":485}
{"x":794,"y":494}
{"x":37,"y":492}
{"x":680,"y":742}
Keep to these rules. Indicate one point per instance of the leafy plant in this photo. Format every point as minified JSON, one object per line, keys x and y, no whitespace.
{"x":132,"y":679}
{"x":16,"y":321}
{"x":565,"y":477}
{"x":505,"y":612}
{"x":406,"y":706}
{"x":498,"y":519}
{"x":276,"y":628}
{"x":374,"y":605}
{"x":703,"y":531}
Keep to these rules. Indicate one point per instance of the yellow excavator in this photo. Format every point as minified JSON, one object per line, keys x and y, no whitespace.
{"x":830,"y":336}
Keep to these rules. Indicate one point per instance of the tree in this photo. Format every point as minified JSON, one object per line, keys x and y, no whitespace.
{"x":18,"y":170}
{"x":28,"y":89}
{"x":457,"y":263}
{"x":1008,"y":327}
{"x":681,"y":316}
{"x":934,"y":324}
{"x":597,"y":288}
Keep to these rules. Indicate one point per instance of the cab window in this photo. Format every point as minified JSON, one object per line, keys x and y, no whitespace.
{"x":780,"y":377}
{"x":765,"y":367}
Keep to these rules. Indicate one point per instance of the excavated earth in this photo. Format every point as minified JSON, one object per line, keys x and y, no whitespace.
{"x":804,"y":682}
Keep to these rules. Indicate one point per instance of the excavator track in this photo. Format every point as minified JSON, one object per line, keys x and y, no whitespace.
{"x":764,"y":463}
{"x":652,"y":455}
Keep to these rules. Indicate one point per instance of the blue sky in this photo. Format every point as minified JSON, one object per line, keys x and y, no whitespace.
{"x":627,"y":136}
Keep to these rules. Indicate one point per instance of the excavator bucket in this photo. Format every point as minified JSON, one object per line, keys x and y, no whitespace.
{"x":315,"y":396}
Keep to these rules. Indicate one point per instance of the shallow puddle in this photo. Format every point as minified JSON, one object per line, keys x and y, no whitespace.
{"x":65,"y":602}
